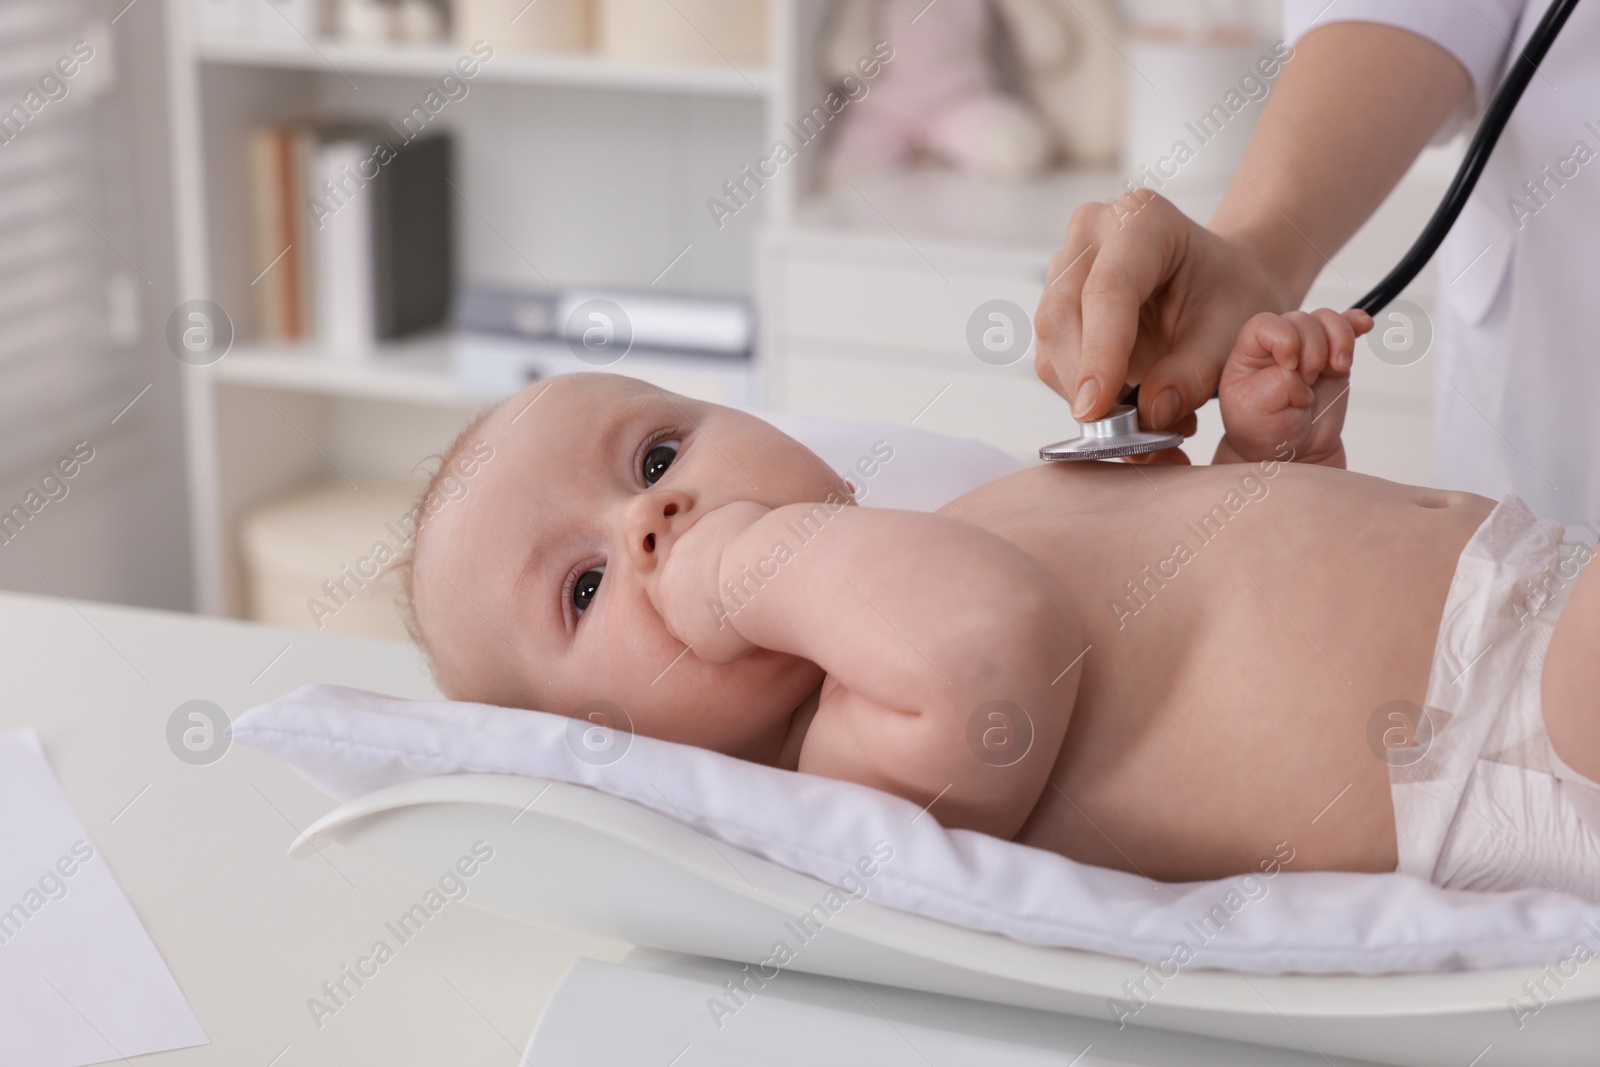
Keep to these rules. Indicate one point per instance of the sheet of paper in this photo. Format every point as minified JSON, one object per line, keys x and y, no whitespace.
{"x":80,"y":980}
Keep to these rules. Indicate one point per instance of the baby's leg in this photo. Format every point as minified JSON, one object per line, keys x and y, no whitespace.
{"x":1570,"y":687}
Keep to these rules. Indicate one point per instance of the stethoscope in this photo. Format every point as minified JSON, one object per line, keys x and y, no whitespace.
{"x":1118,"y":434}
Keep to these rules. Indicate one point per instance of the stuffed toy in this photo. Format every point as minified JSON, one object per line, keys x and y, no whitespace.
{"x":998,"y":88}
{"x":1072,"y":70}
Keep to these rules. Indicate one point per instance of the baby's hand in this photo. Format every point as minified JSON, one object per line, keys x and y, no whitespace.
{"x":687,"y":592}
{"x":1284,"y":388}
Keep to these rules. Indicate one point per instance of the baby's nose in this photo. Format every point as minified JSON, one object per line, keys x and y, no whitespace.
{"x":652,"y":524}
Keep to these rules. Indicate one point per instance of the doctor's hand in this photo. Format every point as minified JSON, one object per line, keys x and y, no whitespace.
{"x":1140,"y":293}
{"x":1285,"y":387}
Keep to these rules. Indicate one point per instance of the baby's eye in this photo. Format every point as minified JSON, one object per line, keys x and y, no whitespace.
{"x":584,"y":589}
{"x":657,"y":460}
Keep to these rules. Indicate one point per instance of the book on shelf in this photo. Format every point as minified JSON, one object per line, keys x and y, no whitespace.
{"x":411,"y":234}
{"x":354,"y":236}
{"x":277,"y":186}
{"x":342,"y":251}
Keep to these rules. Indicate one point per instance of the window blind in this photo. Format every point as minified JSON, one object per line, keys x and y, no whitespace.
{"x":66,"y":242}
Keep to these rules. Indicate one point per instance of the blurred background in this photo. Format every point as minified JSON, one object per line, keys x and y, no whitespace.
{"x":262,"y":259}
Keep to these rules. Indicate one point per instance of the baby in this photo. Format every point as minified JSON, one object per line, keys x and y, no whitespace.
{"x":1177,"y":671}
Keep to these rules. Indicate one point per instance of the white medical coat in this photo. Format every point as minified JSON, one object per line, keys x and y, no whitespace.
{"x":1517,"y":378}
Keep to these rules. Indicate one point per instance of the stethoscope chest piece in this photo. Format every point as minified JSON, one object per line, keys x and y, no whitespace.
{"x":1117,"y":434}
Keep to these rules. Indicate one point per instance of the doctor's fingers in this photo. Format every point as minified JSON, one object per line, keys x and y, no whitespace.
{"x":1057,"y":322}
{"x":1181,"y":381}
{"x":1113,"y":258}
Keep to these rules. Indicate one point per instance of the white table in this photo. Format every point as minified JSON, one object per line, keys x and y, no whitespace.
{"x":200,"y":851}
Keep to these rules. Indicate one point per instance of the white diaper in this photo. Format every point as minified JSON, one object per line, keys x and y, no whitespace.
{"x":1489,"y":805}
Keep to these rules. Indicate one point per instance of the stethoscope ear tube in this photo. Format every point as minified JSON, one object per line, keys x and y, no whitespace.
{"x":1478,"y":152}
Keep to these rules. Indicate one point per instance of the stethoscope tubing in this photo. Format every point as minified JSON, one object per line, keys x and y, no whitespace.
{"x":1472,"y":164}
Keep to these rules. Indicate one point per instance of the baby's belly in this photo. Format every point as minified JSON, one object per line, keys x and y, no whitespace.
{"x":1240,"y":649}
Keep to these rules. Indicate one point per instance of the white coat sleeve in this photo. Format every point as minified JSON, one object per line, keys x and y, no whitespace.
{"x":1477,"y":33}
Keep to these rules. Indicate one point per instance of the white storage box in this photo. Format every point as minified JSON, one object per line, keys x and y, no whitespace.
{"x":516,"y":26}
{"x":317,"y":560}
{"x":683,"y":31}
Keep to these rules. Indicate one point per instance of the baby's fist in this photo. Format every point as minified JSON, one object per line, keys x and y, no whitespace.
{"x":687,"y":589}
{"x":1286,"y":383}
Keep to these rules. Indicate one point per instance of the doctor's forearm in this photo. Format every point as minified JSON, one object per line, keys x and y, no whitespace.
{"x":1352,"y":110}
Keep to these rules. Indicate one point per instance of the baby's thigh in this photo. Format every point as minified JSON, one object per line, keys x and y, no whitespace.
{"x":1570,"y":689}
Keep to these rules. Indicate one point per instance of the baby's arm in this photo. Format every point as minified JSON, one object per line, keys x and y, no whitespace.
{"x":1285,"y":386}
{"x":919,"y":621}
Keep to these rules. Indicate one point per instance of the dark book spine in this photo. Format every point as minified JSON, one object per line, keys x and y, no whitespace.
{"x":413,"y":238}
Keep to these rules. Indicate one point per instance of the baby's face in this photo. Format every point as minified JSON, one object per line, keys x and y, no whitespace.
{"x":530,"y":588}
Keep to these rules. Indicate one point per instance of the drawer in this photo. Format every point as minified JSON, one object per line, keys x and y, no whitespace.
{"x":899,"y":310}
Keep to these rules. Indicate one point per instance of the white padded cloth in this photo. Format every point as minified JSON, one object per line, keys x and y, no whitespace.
{"x":349,"y":742}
